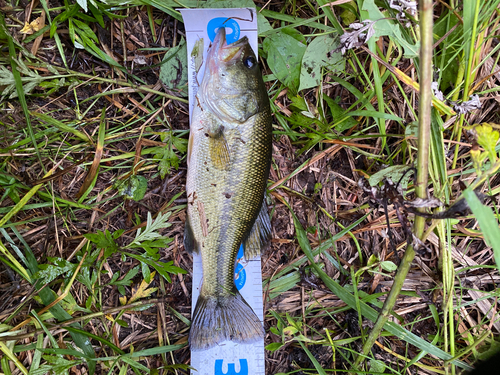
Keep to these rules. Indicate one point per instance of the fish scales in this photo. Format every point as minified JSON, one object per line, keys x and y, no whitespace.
{"x":231,"y":199}
{"x":228,"y":165}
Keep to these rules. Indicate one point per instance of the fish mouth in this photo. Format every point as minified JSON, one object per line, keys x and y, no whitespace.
{"x":223,"y":52}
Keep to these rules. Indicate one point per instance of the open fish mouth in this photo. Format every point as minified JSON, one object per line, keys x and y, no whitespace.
{"x":223,"y":52}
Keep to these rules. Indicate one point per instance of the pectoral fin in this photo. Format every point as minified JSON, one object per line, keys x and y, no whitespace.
{"x":259,"y":236}
{"x":219,"y":150}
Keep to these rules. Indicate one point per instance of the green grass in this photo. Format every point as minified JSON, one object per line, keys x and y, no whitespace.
{"x":92,"y":268}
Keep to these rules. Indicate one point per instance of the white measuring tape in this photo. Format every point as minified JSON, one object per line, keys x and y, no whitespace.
{"x":227,"y":358}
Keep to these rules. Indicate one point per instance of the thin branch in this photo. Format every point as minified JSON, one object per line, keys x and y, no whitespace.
{"x":426,"y":24}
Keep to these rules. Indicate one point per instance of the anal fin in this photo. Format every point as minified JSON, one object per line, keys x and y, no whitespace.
{"x":260,"y":234}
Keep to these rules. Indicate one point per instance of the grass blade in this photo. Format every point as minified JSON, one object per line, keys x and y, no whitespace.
{"x":19,"y":88}
{"x":94,"y":168}
{"x":487,"y":221}
{"x":61,"y":126}
{"x":367,"y":311}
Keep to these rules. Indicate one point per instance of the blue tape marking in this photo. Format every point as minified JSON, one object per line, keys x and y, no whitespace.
{"x":240,"y":252}
{"x":232,"y":29}
{"x":240,"y":276}
{"x":231,"y":368}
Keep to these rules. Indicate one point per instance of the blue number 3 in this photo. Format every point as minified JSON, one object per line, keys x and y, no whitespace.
{"x":230,"y":368}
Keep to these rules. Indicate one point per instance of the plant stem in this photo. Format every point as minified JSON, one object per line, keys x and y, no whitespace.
{"x":458,"y":128}
{"x":426,"y":32}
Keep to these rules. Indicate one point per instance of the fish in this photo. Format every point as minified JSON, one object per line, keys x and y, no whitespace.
{"x":229,"y":158}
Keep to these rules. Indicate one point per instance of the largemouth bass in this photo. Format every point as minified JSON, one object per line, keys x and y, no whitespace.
{"x":229,"y":155}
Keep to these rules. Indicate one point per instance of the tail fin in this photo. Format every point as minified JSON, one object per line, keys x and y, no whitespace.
{"x":225,"y":318}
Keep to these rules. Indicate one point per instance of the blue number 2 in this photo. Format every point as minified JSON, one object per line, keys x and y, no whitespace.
{"x":230,"y":368}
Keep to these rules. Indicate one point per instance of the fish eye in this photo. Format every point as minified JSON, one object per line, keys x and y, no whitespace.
{"x":250,"y":62}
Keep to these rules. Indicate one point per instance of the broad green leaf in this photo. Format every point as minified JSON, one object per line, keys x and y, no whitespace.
{"x":122,"y":323}
{"x":89,"y":335}
{"x":263,"y":24}
{"x":388,"y":266}
{"x":146,"y":273}
{"x":384,"y":25}
{"x":296,"y":324}
{"x":274,"y":346}
{"x":284,"y":56}
{"x":488,"y":139}
{"x":103,"y":240}
{"x":348,"y":15}
{"x":295,"y":34}
{"x":411,"y":130}
{"x":290,"y":330}
{"x":167,"y":158}
{"x":49,"y":272}
{"x":69,"y":303}
{"x":487,"y":222}
{"x":337,"y":113}
{"x":299,"y":102}
{"x":394,"y":172}
{"x":373,"y":259}
{"x":173,"y":72}
{"x":377,"y":366}
{"x":134,"y":188}
{"x":320,"y":53}
{"x":180,"y":144}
